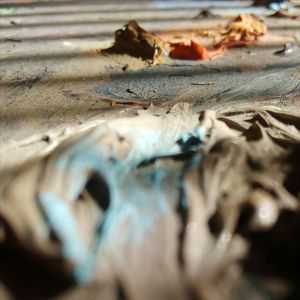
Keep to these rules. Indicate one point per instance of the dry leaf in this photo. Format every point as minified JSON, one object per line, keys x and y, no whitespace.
{"x":194,"y":51}
{"x":280,"y":14}
{"x":243,"y":31}
{"x":137,"y":42}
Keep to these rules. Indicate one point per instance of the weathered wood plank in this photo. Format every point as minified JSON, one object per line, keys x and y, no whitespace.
{"x":55,"y":77}
{"x":90,"y":6}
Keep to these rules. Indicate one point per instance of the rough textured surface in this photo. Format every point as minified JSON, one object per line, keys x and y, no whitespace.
{"x":91,"y":192}
{"x":199,"y":185}
{"x":59,"y":78}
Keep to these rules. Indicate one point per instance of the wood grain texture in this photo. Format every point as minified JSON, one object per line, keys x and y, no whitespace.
{"x":51,"y":74}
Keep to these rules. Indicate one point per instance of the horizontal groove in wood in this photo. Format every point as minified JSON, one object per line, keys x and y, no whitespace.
{"x":98,"y":6}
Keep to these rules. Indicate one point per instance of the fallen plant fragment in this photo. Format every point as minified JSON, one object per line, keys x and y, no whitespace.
{"x":194,"y":51}
{"x":280,"y":14}
{"x":137,"y":42}
{"x":113,"y":102}
{"x":288,"y":48}
{"x":243,"y":31}
{"x":205,"y":14}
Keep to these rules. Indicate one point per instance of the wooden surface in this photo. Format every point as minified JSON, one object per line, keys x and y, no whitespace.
{"x":52,"y":76}
{"x":53,"y":79}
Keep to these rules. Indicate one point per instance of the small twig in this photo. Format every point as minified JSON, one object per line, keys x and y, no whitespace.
{"x":201,"y":83}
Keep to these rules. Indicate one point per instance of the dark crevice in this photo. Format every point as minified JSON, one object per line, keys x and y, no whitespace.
{"x":189,"y":144}
{"x":275,"y":253}
{"x":183,"y":208}
{"x":291,"y":182}
{"x":216,"y":223}
{"x":99,"y":191}
{"x":254,"y":133}
{"x":121,"y":293}
{"x":45,"y":274}
{"x":247,"y":212}
{"x":285,"y":118}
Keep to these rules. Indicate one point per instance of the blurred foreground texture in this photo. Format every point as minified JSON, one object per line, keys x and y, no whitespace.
{"x":164,"y":205}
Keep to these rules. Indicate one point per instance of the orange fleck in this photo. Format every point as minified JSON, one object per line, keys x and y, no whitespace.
{"x":194,"y":51}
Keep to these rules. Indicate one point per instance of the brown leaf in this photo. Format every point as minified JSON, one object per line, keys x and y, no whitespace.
{"x":280,"y":14}
{"x":133,"y":40}
{"x":243,"y":31}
